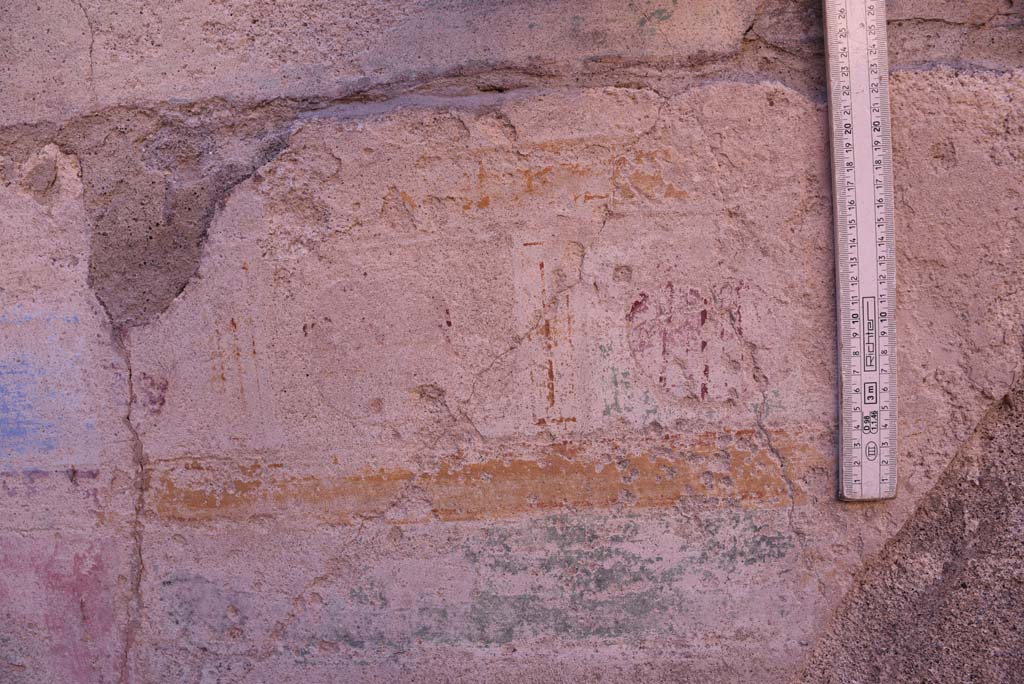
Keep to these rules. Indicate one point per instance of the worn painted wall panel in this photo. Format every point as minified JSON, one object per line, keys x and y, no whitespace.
{"x":490,"y":342}
{"x":66,"y":473}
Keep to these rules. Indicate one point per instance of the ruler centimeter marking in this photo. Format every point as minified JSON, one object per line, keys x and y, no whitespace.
{"x":858,"y":70}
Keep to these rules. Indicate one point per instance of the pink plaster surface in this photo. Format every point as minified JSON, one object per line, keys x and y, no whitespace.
{"x":419,"y":342}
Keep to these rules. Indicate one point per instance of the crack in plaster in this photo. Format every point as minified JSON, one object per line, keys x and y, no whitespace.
{"x":141,"y":483}
{"x":92,"y":44}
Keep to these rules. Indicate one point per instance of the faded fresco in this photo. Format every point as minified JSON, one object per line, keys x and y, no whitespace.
{"x":475,"y":341}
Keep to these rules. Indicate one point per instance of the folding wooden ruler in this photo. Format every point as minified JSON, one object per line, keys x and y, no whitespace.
{"x":858,"y":69}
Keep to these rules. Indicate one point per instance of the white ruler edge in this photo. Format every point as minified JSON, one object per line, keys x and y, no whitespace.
{"x":858,"y":72}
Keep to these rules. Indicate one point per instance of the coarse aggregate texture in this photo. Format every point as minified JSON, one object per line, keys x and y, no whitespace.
{"x":943,"y":601}
{"x":477,"y":341}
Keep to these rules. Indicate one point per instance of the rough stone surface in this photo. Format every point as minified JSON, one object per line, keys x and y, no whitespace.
{"x":950,"y":583}
{"x":476,"y":341}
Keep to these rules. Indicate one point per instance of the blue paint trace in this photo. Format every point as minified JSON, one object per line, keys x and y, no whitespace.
{"x":23,"y":430}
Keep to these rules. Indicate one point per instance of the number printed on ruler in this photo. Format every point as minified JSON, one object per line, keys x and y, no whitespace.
{"x":865,"y":247}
